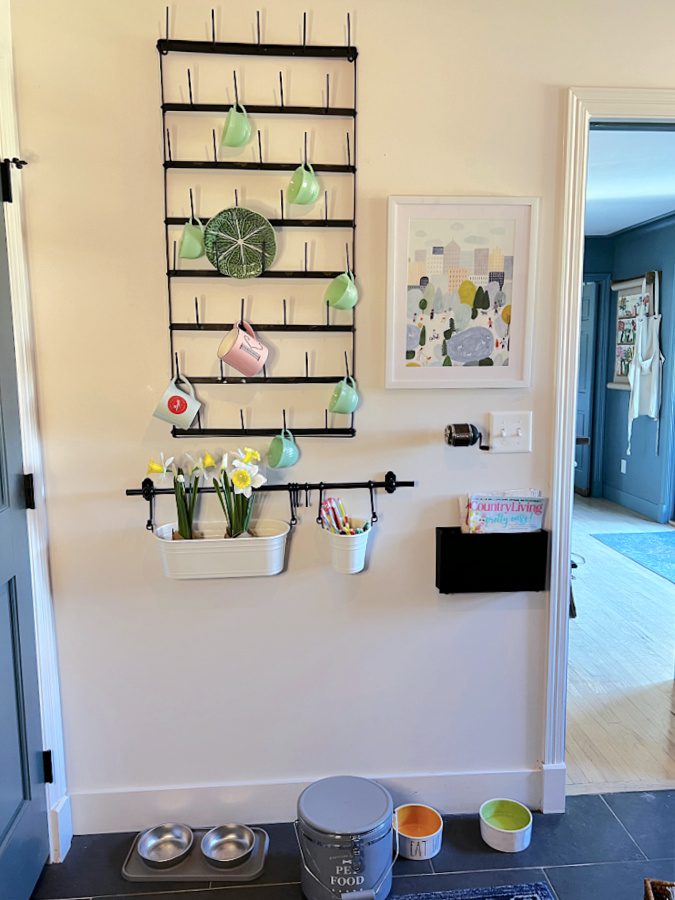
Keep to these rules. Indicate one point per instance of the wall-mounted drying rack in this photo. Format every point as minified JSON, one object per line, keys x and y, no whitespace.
{"x":297,"y":492}
{"x":325,"y":110}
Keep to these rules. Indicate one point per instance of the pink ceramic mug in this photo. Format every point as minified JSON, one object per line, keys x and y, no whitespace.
{"x":242,"y":350}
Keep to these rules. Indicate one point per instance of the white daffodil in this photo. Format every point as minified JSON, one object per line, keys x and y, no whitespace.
{"x":223,"y":463}
{"x":162,"y":467}
{"x":245,"y":479}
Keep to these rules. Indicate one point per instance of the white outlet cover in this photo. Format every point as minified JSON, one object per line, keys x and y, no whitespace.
{"x":511,"y":432}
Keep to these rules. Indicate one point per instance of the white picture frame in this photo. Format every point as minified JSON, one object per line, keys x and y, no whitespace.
{"x":512,"y":221}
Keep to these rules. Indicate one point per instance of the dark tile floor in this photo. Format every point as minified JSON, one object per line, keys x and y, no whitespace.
{"x":602,"y":848}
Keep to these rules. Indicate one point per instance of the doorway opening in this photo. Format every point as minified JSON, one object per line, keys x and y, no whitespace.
{"x":621,"y":696}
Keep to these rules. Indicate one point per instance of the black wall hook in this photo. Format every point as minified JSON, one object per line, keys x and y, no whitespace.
{"x":373,"y":514}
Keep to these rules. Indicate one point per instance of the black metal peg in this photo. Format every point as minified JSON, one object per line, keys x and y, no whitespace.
{"x":284,"y":308}
{"x":292,"y":499}
{"x":304,"y":29}
{"x":257,"y":25}
{"x":327,"y":91}
{"x":284,"y":418}
{"x":236,"y":89}
{"x":213,"y":26}
{"x":305,"y":156}
{"x":177,"y":366}
{"x":260,"y":156}
{"x":281,"y":88}
{"x":346,"y":364}
{"x":215,"y":145}
{"x":192,"y":206}
{"x":373,"y":514}
{"x":349,"y":268}
{"x":148,"y":489}
{"x":241,"y":315}
{"x":241,"y":419}
{"x":281,"y":192}
{"x":197,"y":322}
{"x":236,"y":197}
{"x":166,"y":23}
{"x":189,"y":77}
{"x":321,"y":490}
{"x":168,"y":144}
{"x":306,"y":364}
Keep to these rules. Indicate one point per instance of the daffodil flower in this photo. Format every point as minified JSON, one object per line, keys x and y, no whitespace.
{"x":245,"y":479}
{"x":160,"y":468}
{"x":208,"y":461}
{"x":249,"y":456}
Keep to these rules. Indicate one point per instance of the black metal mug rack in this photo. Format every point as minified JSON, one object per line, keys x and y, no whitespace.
{"x":305,"y":50}
{"x":297,"y":493}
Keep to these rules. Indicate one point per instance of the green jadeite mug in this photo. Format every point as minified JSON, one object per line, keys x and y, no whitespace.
{"x":342,"y":292}
{"x":304,"y":186}
{"x":283,"y":451}
{"x":345,"y":397}
{"x":192,"y":240}
{"x":237,"y":129}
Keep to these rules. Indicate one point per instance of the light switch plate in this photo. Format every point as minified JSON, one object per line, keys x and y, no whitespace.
{"x":511,"y":432}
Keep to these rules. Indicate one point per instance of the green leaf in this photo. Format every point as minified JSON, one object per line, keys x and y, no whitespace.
{"x":486,"y":361}
{"x":423,"y":336}
{"x":447,"y":361}
{"x":410,"y":354}
{"x":444,"y":348}
{"x":474,"y":313}
{"x":423,"y":304}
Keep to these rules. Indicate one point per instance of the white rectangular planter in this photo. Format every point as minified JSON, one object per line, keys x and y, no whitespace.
{"x":215,"y":556}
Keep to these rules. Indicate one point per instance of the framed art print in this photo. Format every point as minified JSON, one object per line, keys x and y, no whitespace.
{"x":460,"y":291}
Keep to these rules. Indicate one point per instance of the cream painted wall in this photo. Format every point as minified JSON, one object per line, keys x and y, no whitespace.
{"x":260,"y":684}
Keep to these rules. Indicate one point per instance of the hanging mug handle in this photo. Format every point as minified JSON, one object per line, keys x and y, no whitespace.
{"x":195,"y":219}
{"x":181,"y":380}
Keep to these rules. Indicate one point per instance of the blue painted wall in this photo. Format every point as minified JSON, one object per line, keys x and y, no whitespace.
{"x":647,"y":486}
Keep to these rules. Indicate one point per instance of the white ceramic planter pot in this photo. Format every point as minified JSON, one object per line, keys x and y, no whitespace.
{"x":214,"y":556}
{"x":420,"y":831}
{"x":505,"y":825}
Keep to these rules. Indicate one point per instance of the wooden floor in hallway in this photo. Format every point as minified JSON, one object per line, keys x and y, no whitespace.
{"x":621,"y":698}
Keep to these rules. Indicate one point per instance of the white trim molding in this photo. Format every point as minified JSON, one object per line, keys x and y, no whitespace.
{"x":58,"y":803}
{"x":584,"y":105}
{"x":131,"y":809}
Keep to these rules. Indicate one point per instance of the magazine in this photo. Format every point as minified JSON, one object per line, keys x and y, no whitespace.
{"x":502,"y":511}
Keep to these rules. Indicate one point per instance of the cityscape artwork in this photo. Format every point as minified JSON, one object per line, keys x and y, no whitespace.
{"x":460,"y":280}
{"x":460,"y":276}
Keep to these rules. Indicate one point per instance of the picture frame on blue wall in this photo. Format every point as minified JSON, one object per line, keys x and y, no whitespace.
{"x":634,"y":298}
{"x":461,"y":285}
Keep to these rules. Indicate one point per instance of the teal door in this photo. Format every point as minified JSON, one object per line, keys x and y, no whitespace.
{"x":582,"y":458}
{"x":24,"y":843}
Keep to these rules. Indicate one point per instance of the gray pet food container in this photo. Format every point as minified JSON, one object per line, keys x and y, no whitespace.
{"x":345,"y":834}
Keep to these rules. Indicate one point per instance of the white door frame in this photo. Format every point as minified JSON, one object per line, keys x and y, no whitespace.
{"x":58,"y":800}
{"x":584,"y":105}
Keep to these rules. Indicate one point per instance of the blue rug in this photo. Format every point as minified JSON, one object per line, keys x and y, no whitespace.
{"x":652,"y":550}
{"x":534,"y":891}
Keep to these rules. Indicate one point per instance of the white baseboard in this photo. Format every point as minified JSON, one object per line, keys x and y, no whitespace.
{"x":60,"y":829}
{"x":200,"y":805}
{"x":553,"y":787}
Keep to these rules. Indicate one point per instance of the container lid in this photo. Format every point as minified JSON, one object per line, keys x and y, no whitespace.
{"x":345,"y":804}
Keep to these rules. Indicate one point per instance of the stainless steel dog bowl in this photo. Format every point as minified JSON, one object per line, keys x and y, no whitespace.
{"x":165,"y":845}
{"x":228,"y":845}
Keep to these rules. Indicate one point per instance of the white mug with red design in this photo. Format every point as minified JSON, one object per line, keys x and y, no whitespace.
{"x":243,"y":350}
{"x":178,"y":405}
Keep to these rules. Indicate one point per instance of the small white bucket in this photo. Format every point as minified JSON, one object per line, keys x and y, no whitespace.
{"x":348,"y":551}
{"x":420,"y":831}
{"x":505,"y":825}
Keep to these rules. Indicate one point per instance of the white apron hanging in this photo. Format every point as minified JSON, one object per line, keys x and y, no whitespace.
{"x":644,"y":372}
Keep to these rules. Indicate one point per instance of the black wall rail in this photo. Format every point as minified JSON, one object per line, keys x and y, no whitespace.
{"x":172,"y":109}
{"x":298,"y":493}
